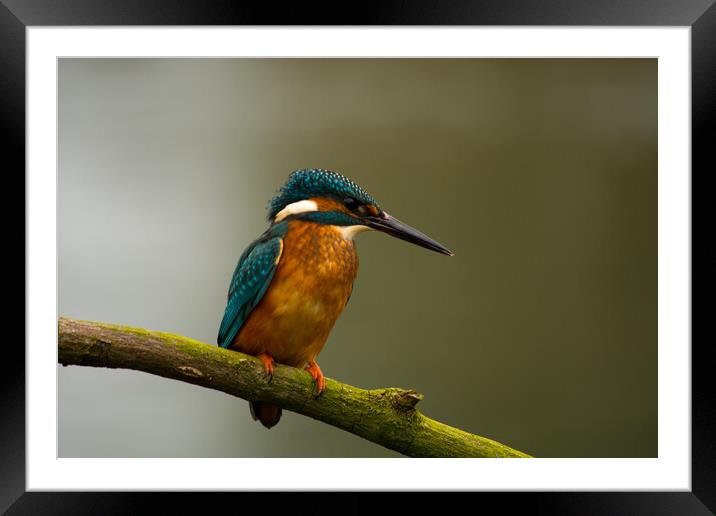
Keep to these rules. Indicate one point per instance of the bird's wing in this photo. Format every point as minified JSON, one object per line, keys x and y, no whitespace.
{"x":251,"y":278}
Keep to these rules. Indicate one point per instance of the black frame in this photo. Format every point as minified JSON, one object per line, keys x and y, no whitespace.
{"x":15,"y":15}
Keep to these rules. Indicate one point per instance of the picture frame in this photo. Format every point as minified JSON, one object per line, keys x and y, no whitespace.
{"x":700,"y":16}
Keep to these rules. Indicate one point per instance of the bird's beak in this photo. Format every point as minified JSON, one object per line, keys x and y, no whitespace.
{"x":392,"y":226}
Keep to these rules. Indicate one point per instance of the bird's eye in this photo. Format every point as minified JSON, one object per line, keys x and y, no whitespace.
{"x":351,"y":203}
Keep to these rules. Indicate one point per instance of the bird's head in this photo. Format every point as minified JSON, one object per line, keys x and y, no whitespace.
{"x":330,"y":198}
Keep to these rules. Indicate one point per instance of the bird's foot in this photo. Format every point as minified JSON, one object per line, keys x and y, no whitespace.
{"x":267,"y":361}
{"x":317,"y":375}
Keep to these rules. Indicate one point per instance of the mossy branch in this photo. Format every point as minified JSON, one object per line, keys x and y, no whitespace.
{"x":387,"y":417}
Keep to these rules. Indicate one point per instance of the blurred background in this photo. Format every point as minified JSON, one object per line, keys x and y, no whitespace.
{"x":541,"y":174}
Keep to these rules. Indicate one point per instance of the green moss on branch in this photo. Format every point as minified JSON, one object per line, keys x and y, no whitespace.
{"x":387,"y":417}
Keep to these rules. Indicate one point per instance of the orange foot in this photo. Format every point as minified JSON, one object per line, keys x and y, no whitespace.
{"x":267,"y":361}
{"x":317,"y":375}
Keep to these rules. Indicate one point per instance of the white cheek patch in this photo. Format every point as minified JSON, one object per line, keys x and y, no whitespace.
{"x":348,"y":232}
{"x":295,"y":208}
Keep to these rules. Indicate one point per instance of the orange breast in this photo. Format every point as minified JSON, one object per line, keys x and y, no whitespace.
{"x":309,"y":290}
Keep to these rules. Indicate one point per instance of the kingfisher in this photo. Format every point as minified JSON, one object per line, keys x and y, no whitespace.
{"x":292,"y":282}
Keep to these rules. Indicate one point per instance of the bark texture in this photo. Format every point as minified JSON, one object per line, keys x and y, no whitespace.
{"x":387,"y":417}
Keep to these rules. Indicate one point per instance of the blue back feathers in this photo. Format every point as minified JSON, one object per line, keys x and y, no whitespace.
{"x":252,"y":276}
{"x":316,"y":182}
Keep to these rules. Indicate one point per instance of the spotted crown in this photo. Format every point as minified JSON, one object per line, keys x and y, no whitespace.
{"x":316,"y":182}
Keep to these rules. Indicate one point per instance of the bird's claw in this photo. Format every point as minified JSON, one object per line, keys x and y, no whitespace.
{"x":267,"y":361}
{"x":318,"y":378}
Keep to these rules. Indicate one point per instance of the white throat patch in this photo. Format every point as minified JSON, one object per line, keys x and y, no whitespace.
{"x":348,"y":232}
{"x":295,"y":208}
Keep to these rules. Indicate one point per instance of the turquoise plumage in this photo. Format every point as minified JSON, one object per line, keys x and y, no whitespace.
{"x":251,"y":278}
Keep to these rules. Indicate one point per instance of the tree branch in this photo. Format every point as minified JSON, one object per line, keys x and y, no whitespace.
{"x":387,"y":417}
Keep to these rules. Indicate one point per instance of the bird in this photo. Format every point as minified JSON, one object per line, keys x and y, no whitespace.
{"x":291,"y":283}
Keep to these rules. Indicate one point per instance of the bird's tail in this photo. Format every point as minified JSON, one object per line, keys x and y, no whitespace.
{"x":267,"y":414}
